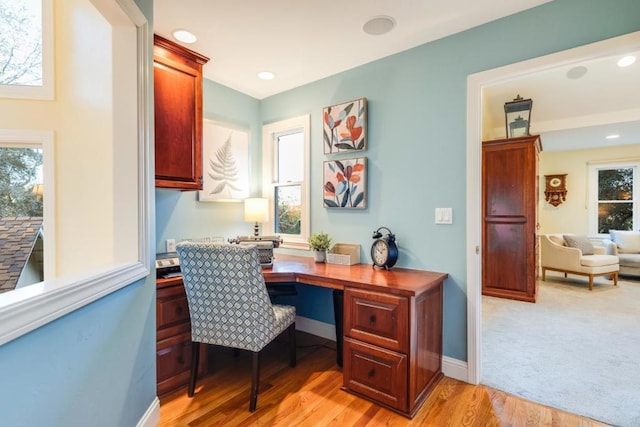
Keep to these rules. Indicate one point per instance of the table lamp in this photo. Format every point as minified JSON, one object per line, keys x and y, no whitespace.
{"x":256,"y":210}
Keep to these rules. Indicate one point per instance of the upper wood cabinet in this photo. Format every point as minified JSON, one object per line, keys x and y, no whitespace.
{"x":177,"y":74}
{"x":509,"y":213}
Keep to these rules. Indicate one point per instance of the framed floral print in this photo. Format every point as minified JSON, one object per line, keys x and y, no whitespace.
{"x":344,"y":127}
{"x":345,"y":183}
{"x":225,"y":163}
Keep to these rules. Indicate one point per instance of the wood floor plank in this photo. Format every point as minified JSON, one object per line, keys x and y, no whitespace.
{"x":310,"y":395}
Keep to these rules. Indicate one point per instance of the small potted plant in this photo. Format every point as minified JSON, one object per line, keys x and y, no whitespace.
{"x":319,"y":243}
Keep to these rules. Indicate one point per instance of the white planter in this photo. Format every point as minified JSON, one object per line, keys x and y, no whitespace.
{"x":320,"y":256}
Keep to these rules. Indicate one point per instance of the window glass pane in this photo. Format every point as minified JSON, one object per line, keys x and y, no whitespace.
{"x":20,"y":182}
{"x":290,"y":157}
{"x":288,"y":209}
{"x":21,"y":210}
{"x":614,"y":216}
{"x":21,"y":42}
{"x":615,"y":184}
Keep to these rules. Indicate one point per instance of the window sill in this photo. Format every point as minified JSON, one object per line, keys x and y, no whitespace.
{"x":28,"y":308}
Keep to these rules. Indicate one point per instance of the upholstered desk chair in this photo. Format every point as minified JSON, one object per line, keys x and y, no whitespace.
{"x":229,"y":304}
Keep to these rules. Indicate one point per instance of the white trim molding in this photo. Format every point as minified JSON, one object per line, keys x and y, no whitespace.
{"x":315,"y":327}
{"x":151,"y":417}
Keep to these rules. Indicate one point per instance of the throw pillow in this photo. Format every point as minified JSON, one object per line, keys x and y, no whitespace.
{"x":627,"y":241}
{"x":581,"y":242}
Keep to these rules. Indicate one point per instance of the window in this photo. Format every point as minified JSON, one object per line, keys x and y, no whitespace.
{"x":615,"y":196}
{"x":26,"y":186}
{"x":26,"y":49}
{"x":285,"y":168}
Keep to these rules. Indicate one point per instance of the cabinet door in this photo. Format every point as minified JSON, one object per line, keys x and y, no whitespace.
{"x":509,"y":183}
{"x":177,"y":144}
{"x":177,"y":76}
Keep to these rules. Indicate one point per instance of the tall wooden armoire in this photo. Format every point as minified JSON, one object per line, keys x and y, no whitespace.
{"x":509,"y":216}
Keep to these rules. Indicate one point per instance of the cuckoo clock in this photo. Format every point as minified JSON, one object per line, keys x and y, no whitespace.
{"x":555,"y":191}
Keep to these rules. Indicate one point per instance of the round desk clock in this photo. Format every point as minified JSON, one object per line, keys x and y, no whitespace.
{"x":384,"y":251}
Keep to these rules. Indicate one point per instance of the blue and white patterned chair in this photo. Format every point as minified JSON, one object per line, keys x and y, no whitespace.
{"x":229,"y":304}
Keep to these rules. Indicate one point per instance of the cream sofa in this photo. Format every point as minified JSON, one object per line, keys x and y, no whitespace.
{"x":626,"y":246}
{"x":556,"y":255}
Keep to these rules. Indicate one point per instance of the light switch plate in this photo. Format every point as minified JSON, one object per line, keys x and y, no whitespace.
{"x":444,"y":216}
{"x":171,"y":245}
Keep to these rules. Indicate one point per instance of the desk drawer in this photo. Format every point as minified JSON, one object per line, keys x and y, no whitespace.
{"x":377,"y":318}
{"x":376,"y":373}
{"x":171,"y":306}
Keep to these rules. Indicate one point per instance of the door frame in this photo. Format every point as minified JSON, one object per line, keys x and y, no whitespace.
{"x":475,"y":84}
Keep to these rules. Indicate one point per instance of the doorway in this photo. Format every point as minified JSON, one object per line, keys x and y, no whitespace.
{"x":475,"y":85}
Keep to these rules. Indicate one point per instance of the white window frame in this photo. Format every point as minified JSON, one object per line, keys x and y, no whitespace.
{"x":594,"y":167}
{"x":270,"y":132}
{"x":14,"y":138}
{"x":44,"y":91}
{"x":26,"y":309}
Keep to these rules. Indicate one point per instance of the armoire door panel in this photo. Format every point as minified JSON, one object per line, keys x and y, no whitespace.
{"x":509,"y":214}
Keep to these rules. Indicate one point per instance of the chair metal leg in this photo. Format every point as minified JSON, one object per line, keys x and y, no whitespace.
{"x":292,"y":345}
{"x":255,"y":380}
{"x":195,"y":356}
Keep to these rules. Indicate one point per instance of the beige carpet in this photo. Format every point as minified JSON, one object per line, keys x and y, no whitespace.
{"x":575,"y":349}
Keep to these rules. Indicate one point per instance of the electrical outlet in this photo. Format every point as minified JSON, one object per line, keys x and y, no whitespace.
{"x":171,"y":245}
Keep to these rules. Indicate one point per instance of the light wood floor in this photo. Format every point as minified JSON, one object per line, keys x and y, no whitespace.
{"x":310,"y":395}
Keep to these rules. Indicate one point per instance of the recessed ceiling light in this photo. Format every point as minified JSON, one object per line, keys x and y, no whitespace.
{"x":626,"y":61}
{"x":379,"y":25}
{"x":577,"y":72}
{"x":612,"y":136}
{"x":266,"y":75}
{"x":185,"y":36}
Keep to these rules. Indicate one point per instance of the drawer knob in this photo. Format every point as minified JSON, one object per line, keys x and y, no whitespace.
{"x":371,"y":374}
{"x":179,"y":310}
{"x":372,"y":319}
{"x":181,"y":360}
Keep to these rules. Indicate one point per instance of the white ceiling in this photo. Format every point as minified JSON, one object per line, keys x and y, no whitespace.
{"x":302,"y":41}
{"x":306,"y":40}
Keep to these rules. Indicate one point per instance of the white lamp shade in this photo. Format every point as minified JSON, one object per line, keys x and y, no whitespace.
{"x":256,"y":210}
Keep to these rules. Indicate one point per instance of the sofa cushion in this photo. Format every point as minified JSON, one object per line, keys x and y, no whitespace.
{"x":598,"y":260}
{"x":581,"y":242}
{"x":558,"y":240}
{"x":627,"y":241}
{"x":630,"y":260}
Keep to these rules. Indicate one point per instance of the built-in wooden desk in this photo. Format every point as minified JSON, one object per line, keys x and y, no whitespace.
{"x":392,"y":327}
{"x":390,"y":322}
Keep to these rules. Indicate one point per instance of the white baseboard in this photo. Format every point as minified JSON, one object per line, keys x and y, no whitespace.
{"x":151,"y":417}
{"x":314,"y":327}
{"x":453,"y":368}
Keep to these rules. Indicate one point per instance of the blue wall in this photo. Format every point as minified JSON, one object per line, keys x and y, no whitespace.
{"x":416,"y":140}
{"x":93,"y":367}
{"x":179,"y":215}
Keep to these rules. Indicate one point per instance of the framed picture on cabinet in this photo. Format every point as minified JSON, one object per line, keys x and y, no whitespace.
{"x":344,"y":127}
{"x":345,"y":183}
{"x":225,"y":163}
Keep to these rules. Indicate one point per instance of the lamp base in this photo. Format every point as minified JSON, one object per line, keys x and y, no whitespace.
{"x":256,"y":230}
